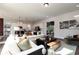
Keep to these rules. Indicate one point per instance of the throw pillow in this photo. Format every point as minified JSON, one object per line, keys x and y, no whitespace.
{"x":24,"y":45}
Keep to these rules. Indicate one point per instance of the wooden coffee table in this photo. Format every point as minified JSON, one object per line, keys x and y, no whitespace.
{"x":54,"y":44}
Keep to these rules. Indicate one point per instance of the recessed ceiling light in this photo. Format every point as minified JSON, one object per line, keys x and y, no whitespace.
{"x":76,"y":16}
{"x":77,"y":5}
{"x":46,"y":4}
{"x":47,"y":16}
{"x":29,"y":25}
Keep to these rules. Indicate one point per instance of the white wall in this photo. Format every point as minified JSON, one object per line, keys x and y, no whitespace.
{"x":60,"y":33}
{"x":9,"y":18}
{"x":14,"y":24}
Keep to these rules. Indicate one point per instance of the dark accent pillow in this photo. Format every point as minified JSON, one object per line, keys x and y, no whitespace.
{"x":39,"y":42}
{"x":75,"y":36}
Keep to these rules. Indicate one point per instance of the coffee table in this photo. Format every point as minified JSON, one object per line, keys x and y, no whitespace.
{"x":54,"y":44}
{"x":65,"y":49}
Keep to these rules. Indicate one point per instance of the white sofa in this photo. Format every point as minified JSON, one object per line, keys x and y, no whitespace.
{"x":11,"y":48}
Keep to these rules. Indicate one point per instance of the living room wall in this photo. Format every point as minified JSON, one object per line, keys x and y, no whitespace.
{"x":13,"y":24}
{"x":60,"y":33}
{"x":8,"y":19}
{"x":16,"y":23}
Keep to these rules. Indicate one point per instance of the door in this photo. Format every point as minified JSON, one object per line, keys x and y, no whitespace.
{"x":1,"y":26}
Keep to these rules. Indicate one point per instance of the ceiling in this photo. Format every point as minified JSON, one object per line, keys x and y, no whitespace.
{"x":33,"y":12}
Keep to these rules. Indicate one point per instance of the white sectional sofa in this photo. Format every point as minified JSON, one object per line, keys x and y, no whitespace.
{"x":11,"y":48}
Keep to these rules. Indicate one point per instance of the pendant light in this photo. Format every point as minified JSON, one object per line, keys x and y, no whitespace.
{"x":46,"y":4}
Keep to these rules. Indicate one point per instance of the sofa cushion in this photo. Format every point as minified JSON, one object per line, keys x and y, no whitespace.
{"x":24,"y":45}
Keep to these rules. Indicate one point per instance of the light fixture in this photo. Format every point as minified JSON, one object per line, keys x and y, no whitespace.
{"x":19,"y":20}
{"x":46,"y":4}
{"x":77,"y":5}
{"x":16,"y":28}
{"x":28,"y":25}
{"x":76,"y":16}
{"x":47,"y":16}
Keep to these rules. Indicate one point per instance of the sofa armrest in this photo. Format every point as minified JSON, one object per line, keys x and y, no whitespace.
{"x":32,"y":43}
{"x":31,"y":50}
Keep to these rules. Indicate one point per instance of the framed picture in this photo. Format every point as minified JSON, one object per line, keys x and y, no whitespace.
{"x":61,"y":25}
{"x":73,"y":22}
{"x":64,"y":25}
{"x":67,"y":24}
